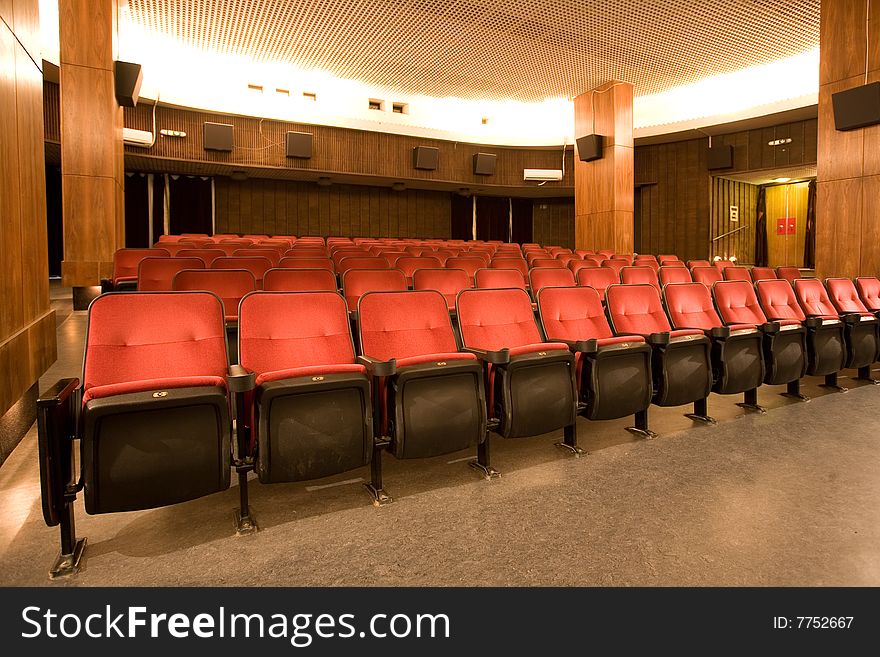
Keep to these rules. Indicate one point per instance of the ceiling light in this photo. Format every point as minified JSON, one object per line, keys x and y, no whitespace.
{"x":781,"y":180}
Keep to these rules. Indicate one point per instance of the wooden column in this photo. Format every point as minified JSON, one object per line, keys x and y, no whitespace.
{"x":848,"y":192}
{"x":91,"y":142}
{"x":27,"y":324}
{"x":604,"y":188}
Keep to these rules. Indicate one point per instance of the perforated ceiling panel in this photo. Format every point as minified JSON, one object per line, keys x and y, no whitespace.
{"x":525,"y":50}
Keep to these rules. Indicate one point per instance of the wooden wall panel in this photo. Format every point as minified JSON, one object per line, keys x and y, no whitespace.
{"x":260,"y":144}
{"x":27,"y":324}
{"x":741,"y":243}
{"x":553,"y":222}
{"x":302,"y":208}
{"x":847,"y":213}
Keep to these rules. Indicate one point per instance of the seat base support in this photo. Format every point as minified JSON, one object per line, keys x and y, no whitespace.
{"x":750,"y":402}
{"x":481,"y":463}
{"x":701,"y":412}
{"x":831,"y":383}
{"x":376,"y":488}
{"x":865,"y":375}
{"x":569,"y":441}
{"x":69,"y":564}
{"x":793,"y":390}
{"x":641,"y":426}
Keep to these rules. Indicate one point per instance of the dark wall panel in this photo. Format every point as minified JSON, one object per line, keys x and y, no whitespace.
{"x":553,"y":222}
{"x":300,"y":208}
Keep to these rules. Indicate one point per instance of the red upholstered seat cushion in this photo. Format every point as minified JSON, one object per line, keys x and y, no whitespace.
{"x":741,"y":327}
{"x":113,"y":389}
{"x":680,"y":333}
{"x":312,"y":370}
{"x":621,"y":339}
{"x":535,"y":348}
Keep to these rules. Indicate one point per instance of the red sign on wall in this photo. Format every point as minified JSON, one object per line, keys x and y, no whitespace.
{"x":786,"y":226}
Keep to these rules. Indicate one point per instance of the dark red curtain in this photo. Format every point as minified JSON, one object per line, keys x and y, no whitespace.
{"x":761,"y":229}
{"x":493,"y":218}
{"x":810,"y":230}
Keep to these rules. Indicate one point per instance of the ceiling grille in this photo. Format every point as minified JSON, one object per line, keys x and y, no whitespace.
{"x":525,"y":50}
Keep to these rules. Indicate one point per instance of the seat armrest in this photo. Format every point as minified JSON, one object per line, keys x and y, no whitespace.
{"x":851,"y":318}
{"x":378,"y":367}
{"x":590,"y":346}
{"x":501,"y":357}
{"x":719,"y":332}
{"x":240,"y":379}
{"x":770,"y":328}
{"x":106,"y":285}
{"x":812,"y":322}
{"x":58,"y":394}
{"x":658,"y":338}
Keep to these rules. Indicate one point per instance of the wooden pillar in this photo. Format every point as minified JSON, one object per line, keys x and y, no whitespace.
{"x":848,"y":191}
{"x":604,"y":188}
{"x":27,"y":323}
{"x":91,"y":142}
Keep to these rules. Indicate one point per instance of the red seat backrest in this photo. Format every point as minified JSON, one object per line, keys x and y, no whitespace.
{"x":228,"y":284}
{"x":274,"y":255}
{"x":615,"y":264}
{"x":813,"y":298}
{"x":639,"y":275}
{"x":299,"y":280}
{"x":356,"y":282}
{"x":157,"y":274}
{"x":510,"y":263}
{"x":572,"y":313}
{"x":341,"y":254}
{"x":205,"y":255}
{"x":636,"y":310}
{"x":736,"y":274}
{"x":737,"y":304}
{"x":576,"y":265}
{"x":706,"y":275}
{"x":257,"y":265}
{"x":498,"y":278}
{"x":869,"y":291}
{"x":663,"y":259}
{"x":598,"y":278}
{"x":284,"y":330}
{"x":674,"y":275}
{"x":698,"y":263}
{"x":141,"y":336}
{"x":467,"y":263}
{"x":778,"y":300}
{"x":723,"y":264}
{"x":845,"y":297}
{"x":289,"y":262}
{"x":448,"y":282}
{"x":763,"y":274}
{"x":788,"y":273}
{"x":496,"y":319}
{"x":690,"y":306}
{"x":405,"y":324}
{"x":409,"y":264}
{"x":547,"y":263}
{"x":546,"y":277}
{"x":361,"y":262}
{"x":127,"y":261}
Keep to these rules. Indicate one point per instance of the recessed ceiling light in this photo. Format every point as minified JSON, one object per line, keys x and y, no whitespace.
{"x":781,"y":180}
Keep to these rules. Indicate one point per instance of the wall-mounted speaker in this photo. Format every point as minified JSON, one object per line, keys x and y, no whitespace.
{"x":426,"y":157}
{"x":218,"y":137}
{"x":484,"y":164}
{"x":857,"y":107}
{"x":128,"y":78}
{"x":720,"y":157}
{"x":299,"y":144}
{"x":589,"y":147}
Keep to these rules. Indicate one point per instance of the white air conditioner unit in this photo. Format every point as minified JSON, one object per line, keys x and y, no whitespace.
{"x":542,"y":175}
{"x":132,"y":137}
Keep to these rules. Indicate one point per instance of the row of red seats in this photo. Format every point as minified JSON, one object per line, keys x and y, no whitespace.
{"x":309,"y":406}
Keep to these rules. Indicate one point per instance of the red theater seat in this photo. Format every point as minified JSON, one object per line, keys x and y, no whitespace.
{"x":707,"y":275}
{"x":545,"y":277}
{"x":274,"y":255}
{"x":613,"y":373}
{"x":615,"y":264}
{"x":429,"y":396}
{"x":125,"y":267}
{"x":674,"y":275}
{"x":228,"y":284}
{"x":680,"y":362}
{"x":698,"y":263}
{"x":310,"y":415}
{"x":826,"y":347}
{"x":205,"y":255}
{"x":784,"y":341}
{"x":357,"y":282}
{"x":299,"y":280}
{"x":869,"y":292}
{"x":157,"y":274}
{"x":257,"y":265}
{"x":790,"y":274}
{"x":547,"y":263}
{"x":510,"y":263}
{"x":862,"y":328}
{"x":763,"y":274}
{"x":296,"y":262}
{"x":469,"y":265}
{"x":409,"y":264}
{"x":448,"y":282}
{"x":598,"y":278}
{"x":737,"y":361}
{"x":499,"y":278}
{"x":361,"y":262}
{"x":735,"y":273}
{"x":151,"y":417}
{"x":639,"y":276}
{"x":531,"y":387}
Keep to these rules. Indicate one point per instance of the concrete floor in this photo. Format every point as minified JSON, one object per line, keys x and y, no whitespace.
{"x":787,"y":498}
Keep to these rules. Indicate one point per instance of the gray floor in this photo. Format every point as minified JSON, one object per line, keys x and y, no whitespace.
{"x":787,"y":498}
